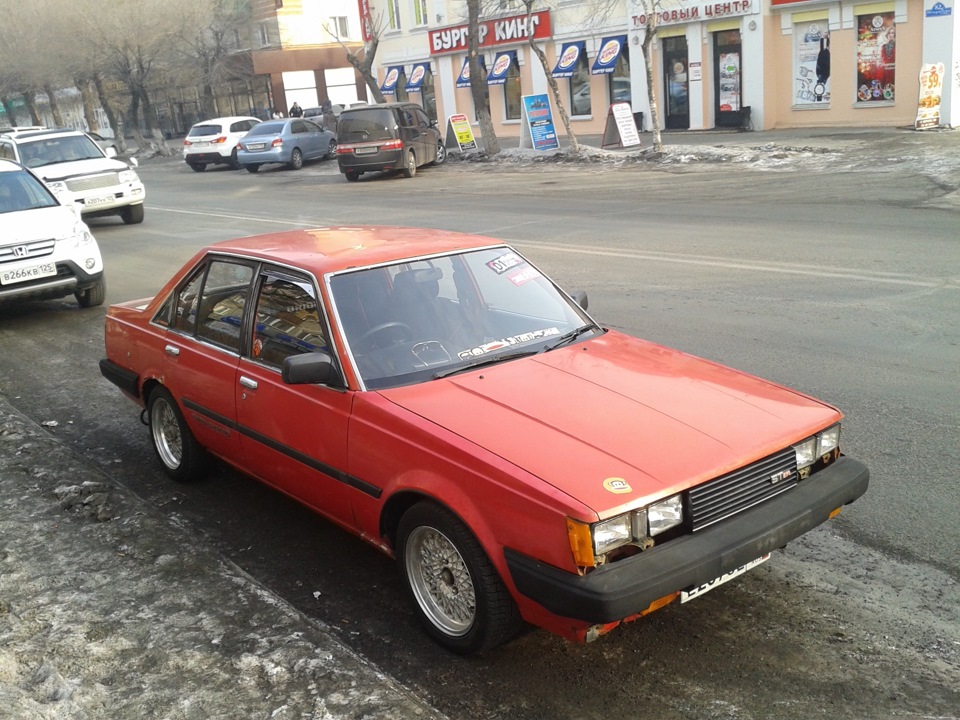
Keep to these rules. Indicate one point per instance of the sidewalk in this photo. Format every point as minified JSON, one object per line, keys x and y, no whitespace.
{"x":109,"y":612}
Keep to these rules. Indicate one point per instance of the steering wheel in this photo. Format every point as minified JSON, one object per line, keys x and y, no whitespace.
{"x":375,"y":331}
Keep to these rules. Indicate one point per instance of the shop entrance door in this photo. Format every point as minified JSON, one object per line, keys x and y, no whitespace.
{"x":676,"y":76}
{"x":727,"y":54}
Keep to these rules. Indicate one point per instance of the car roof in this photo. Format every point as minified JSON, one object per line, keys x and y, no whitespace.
{"x":228,"y":119}
{"x":324,"y":250}
{"x":378,"y":106}
{"x":31,"y":133}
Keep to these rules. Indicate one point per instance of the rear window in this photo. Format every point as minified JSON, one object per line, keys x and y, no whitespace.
{"x":205,"y":130}
{"x":363,"y":125}
{"x":266,"y":128}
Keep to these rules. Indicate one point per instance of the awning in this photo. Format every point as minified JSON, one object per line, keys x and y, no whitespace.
{"x":417,"y":76}
{"x":390,"y":81}
{"x":610,"y":50}
{"x":463,"y":80}
{"x":501,"y":65}
{"x":569,"y":55}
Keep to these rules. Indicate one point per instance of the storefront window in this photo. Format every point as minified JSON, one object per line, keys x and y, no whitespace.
{"x":580,"y":87}
{"x":811,"y":80}
{"x":618,"y":82}
{"x":428,"y":94}
{"x":876,"y":57}
{"x":511,"y":93}
{"x":401,"y":90}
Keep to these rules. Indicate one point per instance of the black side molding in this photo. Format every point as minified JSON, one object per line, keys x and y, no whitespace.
{"x":126,"y":380}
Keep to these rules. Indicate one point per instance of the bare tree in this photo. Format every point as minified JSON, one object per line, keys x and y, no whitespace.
{"x":362,"y":59}
{"x":478,"y":82}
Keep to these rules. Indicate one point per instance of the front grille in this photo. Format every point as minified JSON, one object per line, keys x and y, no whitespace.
{"x":93,"y":182}
{"x":735,"y":492}
{"x":27,"y":250}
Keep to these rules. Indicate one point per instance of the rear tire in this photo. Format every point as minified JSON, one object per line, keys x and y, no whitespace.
{"x":179,"y":452}
{"x":458,"y":595}
{"x":296,"y":159}
{"x":352,"y":175}
{"x":93,"y":295}
{"x":252,"y":168}
{"x":132,"y":214}
{"x":410,"y":169}
{"x":197,"y":167}
{"x":234,"y":162}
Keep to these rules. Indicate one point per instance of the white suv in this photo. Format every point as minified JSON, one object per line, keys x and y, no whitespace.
{"x":215,"y":141}
{"x":75,"y":168}
{"x":46,"y":250}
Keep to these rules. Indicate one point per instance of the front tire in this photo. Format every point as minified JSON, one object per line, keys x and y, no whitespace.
{"x":410,"y":169}
{"x":132,"y":214}
{"x":296,"y":159}
{"x":441,"y":153}
{"x":459,"y":598}
{"x":197,"y":167}
{"x":93,"y":295}
{"x":179,"y":452}
{"x":332,"y":150}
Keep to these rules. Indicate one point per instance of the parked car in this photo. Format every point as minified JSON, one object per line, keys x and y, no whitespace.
{"x":388,"y":136}
{"x":436,"y":394}
{"x":290,"y":141}
{"x":75,"y":168}
{"x":46,"y":250}
{"x":214,"y":142}
{"x":108,"y":145}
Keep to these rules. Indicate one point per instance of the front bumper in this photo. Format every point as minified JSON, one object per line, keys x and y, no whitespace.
{"x":627,"y":587}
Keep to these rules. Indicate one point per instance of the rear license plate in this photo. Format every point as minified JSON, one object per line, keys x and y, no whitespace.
{"x":8,"y":277}
{"x":200,"y":144}
{"x":91,"y":201}
{"x":365,"y":150}
{"x":254,"y":146}
{"x":691,"y":593}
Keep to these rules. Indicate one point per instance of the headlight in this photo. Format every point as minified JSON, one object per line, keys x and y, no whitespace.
{"x":806,"y":452}
{"x":829,"y":440}
{"x":665,"y":515}
{"x":79,"y":236}
{"x":127,"y":176}
{"x":814,"y":448}
{"x":612,"y":533}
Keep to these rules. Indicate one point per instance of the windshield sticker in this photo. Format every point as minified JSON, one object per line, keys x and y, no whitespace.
{"x":507,"y":342}
{"x":506,"y":261}
{"x":524,"y":275}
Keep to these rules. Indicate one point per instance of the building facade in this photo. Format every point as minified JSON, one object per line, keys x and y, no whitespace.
{"x":757,"y":64}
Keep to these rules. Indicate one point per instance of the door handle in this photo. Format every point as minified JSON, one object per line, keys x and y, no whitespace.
{"x":171,"y":350}
{"x":248,"y":382}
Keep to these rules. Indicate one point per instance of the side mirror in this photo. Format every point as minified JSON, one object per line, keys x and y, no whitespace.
{"x":133,"y":162}
{"x":309,"y":368}
{"x":580,"y":298}
{"x":111,"y":153}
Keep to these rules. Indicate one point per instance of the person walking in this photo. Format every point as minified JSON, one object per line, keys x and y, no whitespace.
{"x":296,"y":110}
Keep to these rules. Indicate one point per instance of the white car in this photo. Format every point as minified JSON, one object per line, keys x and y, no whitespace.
{"x":46,"y":250}
{"x":215,"y":141}
{"x":75,"y":168}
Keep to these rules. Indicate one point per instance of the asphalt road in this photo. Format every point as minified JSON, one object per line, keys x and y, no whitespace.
{"x":839,"y":278}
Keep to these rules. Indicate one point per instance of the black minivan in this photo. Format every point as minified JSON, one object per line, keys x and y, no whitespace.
{"x":387,"y":136}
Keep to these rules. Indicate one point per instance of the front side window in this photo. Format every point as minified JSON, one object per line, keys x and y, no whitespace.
{"x":288,"y":320}
{"x":511,"y":93}
{"x":876,"y":57}
{"x":419,"y":320}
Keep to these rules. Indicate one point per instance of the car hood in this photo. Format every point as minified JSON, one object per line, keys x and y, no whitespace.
{"x":618,"y":407}
{"x":67,"y":170}
{"x":38,"y":224}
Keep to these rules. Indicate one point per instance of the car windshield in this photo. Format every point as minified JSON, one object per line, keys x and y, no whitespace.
{"x":372,"y":124}
{"x":267,"y":128}
{"x":429,"y":318}
{"x":51,"y":150}
{"x":22,"y":191}
{"x":204,"y":131}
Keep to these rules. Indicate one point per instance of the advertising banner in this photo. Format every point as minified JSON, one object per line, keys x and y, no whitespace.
{"x":460,"y":134}
{"x":931,"y":88}
{"x":538,"y":120}
{"x":876,"y":57}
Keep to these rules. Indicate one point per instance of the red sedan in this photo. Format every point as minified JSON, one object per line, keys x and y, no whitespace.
{"x":436,"y":394}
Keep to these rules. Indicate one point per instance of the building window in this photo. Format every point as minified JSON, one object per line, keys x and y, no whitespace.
{"x":618,"y":82}
{"x":340,"y":27}
{"x":580,"y":87}
{"x":264,"y":34}
{"x":393,"y":13}
{"x":420,"y":12}
{"x":811,"y":79}
{"x":511,"y":93}
{"x":401,"y":90}
{"x":876,"y":57}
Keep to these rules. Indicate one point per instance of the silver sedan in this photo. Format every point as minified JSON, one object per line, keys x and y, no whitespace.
{"x":290,"y":141}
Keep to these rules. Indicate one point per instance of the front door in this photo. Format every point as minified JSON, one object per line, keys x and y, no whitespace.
{"x":727,"y":56}
{"x":676,"y":76}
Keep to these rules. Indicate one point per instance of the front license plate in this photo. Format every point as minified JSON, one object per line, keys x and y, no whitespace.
{"x":365,"y":151}
{"x":8,"y":277}
{"x":691,"y":593}
{"x":91,"y":201}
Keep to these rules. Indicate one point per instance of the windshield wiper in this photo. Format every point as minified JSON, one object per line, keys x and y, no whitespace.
{"x":569,"y":337}
{"x":483,"y":363}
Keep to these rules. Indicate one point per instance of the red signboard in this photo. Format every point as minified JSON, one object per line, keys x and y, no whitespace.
{"x":502,"y":31}
{"x":365,"y":23}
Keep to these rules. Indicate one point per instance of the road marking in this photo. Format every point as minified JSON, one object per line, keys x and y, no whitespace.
{"x":229,"y":216}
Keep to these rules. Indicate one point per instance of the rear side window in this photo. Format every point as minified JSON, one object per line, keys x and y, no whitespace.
{"x":211,"y":304}
{"x":205,"y":131}
{"x":363,"y":125}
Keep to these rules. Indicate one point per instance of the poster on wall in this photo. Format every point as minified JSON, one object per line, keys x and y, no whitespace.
{"x":730,"y":82}
{"x":931,"y":88}
{"x":812,"y":80}
{"x":876,"y":57}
